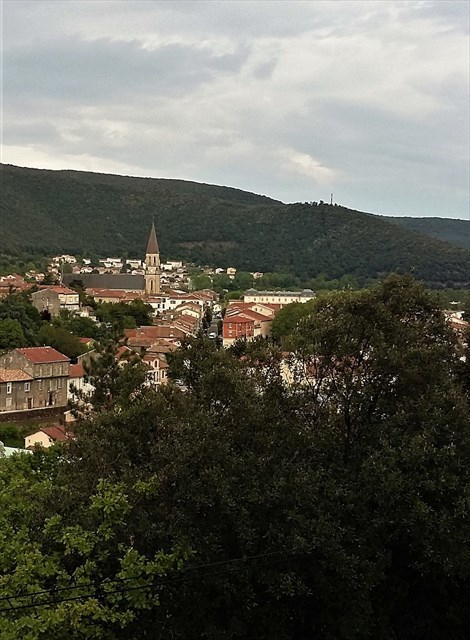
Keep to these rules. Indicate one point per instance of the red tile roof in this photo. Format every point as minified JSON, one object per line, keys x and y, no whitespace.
{"x":76,"y":371}
{"x":124,"y":352}
{"x":13,"y":375}
{"x":38,"y":355}
{"x":56,"y":433}
{"x":249,"y":313}
{"x":58,"y":289}
{"x":238,"y":318}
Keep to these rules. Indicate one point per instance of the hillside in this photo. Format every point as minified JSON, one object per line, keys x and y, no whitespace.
{"x":87,"y":213}
{"x":450,"y":230}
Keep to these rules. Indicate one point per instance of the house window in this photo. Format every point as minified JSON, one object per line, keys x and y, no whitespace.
{"x":40,"y":385}
{"x":9,"y":387}
{"x":8,"y":403}
{"x":59,"y":383}
{"x":27,"y":386}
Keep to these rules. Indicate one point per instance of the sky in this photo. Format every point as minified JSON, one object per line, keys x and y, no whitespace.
{"x":365,"y":100}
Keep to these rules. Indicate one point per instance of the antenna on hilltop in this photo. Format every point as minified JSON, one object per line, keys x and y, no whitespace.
{"x":331,"y":199}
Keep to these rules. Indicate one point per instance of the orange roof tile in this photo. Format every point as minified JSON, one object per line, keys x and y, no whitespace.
{"x":76,"y":371}
{"x":13,"y":375}
{"x":42,"y":354}
{"x":58,"y":289}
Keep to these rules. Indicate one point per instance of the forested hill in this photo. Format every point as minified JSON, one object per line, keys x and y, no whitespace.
{"x":454,"y":231}
{"x":88,"y":213}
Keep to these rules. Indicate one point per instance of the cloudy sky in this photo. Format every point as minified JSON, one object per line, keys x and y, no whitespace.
{"x":296,"y":100}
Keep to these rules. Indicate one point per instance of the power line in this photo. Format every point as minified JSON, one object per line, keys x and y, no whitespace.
{"x":148,"y":585}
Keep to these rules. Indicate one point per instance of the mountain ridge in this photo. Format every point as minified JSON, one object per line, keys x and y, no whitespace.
{"x":216,"y":225}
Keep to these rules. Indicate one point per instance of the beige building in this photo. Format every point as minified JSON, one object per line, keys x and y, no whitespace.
{"x":46,"y":437}
{"x":47,"y":383}
{"x":55,"y":298}
{"x":278,"y":297}
{"x":157,"y":369}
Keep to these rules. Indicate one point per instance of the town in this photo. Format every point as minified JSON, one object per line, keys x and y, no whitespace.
{"x":42,"y":381}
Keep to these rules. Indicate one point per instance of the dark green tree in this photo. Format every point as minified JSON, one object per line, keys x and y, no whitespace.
{"x":84,"y":566}
{"x":11,"y":334}
{"x":17,"y":306}
{"x":327,"y":503}
{"x":61,"y":339}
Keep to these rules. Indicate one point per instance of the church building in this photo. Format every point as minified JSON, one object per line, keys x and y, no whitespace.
{"x":141,"y":284}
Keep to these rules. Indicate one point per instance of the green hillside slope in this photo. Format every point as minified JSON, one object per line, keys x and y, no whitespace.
{"x":454,"y":231}
{"x":77,"y":212}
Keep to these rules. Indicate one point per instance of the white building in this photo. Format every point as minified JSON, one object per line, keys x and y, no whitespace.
{"x":278,"y":297}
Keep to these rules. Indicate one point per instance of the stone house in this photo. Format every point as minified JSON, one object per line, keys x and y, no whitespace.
{"x":48,"y":372}
{"x":46,"y":300}
{"x":15,"y":390}
{"x":54,"y":298}
{"x":157,"y":369}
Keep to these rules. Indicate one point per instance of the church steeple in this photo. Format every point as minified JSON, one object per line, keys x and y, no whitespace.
{"x":152,"y":245}
{"x":152,"y":264}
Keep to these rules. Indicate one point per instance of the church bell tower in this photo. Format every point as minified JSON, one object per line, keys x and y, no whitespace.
{"x":152,"y":265}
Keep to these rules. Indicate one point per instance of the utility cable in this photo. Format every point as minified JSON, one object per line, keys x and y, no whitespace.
{"x":148,"y":585}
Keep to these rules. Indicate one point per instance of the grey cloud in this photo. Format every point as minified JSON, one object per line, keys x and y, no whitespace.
{"x":74,"y":70}
{"x":265,"y":69}
{"x":229,"y":98}
{"x":34,"y":132}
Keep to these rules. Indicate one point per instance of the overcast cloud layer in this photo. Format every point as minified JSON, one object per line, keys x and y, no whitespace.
{"x":296,"y":100}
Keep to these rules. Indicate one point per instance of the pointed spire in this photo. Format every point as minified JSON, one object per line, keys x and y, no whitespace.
{"x":152,"y":246}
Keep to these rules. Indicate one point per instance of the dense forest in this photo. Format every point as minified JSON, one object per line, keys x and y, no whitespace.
{"x":321,"y":494}
{"x":450,"y":230}
{"x":46,"y":212}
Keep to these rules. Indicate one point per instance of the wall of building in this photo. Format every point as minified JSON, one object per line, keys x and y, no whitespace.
{"x":47,"y":389}
{"x":46,"y":300}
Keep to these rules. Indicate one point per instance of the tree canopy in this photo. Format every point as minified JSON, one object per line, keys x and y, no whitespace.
{"x":321,"y":494}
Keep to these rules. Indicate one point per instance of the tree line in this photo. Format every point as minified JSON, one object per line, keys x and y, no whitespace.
{"x":218,"y":226}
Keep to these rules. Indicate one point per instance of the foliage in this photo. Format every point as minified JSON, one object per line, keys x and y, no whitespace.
{"x":200,"y":281}
{"x":114,"y":384}
{"x":61,"y":339}
{"x":11,"y":334}
{"x":83,"y":327}
{"x":288,"y":318}
{"x":215,"y":225}
{"x":10,"y":435}
{"x":328,"y":503}
{"x":17,"y":306}
{"x":89,"y":560}
{"x":450,"y":230}
{"x":124,"y":315}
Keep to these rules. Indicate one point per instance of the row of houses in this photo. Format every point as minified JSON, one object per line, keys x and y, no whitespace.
{"x":54,"y":298}
{"x":165,"y":301}
{"x":253,"y":316}
{"x":35,"y":378}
